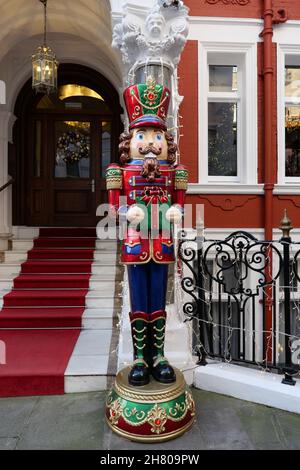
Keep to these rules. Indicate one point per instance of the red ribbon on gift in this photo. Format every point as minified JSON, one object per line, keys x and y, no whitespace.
{"x":154,"y":195}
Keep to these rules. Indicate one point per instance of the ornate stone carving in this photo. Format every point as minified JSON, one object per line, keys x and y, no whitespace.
{"x":229,"y":2}
{"x":157,"y":38}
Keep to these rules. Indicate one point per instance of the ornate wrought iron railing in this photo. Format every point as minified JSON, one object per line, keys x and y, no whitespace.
{"x":242,"y":296}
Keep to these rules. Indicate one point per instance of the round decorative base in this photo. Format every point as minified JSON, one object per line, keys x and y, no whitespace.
{"x":151,"y":413}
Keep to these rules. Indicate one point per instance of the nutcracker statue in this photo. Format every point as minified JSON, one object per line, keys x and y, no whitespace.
{"x":153,"y":186}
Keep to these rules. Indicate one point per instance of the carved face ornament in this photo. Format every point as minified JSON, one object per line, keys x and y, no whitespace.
{"x":155,"y":24}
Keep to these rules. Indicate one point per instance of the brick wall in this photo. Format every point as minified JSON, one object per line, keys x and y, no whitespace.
{"x":188,"y":87}
{"x":202,"y":8}
{"x":253,"y":9}
{"x":232,"y":210}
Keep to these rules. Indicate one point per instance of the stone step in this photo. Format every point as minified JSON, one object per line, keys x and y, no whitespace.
{"x":99,"y":268}
{"x":22,"y":245}
{"x":95,"y":300}
{"x":105,"y":286}
{"x":107,"y":245}
{"x":6,"y":285}
{"x":87,"y":368}
{"x":26,"y":233}
{"x":15,"y":256}
{"x":9,"y":270}
{"x":98,"y":318}
{"x":105,"y":257}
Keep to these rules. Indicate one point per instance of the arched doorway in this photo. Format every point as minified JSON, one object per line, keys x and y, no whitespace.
{"x":62,"y":145}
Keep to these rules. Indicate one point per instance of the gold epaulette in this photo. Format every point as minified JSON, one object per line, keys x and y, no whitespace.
{"x":181,"y":177}
{"x":113,"y":177}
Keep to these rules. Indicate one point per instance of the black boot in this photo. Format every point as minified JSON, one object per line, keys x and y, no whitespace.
{"x":160,"y":368}
{"x":139,"y":374}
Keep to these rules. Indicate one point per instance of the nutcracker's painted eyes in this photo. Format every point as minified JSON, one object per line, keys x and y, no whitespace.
{"x":140,"y":136}
{"x":158,"y":136}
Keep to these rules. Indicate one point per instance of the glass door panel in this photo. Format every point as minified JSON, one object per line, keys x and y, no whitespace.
{"x":106,"y":146}
{"x":72,"y":149}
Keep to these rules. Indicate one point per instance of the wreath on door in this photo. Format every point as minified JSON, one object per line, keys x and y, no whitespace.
{"x":72,"y":147}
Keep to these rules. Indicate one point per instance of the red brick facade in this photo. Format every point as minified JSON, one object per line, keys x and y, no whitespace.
{"x":233,"y":210}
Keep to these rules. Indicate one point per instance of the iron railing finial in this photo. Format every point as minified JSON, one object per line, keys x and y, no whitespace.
{"x":286,"y":225}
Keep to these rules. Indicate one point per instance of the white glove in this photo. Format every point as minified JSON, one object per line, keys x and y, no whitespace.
{"x":135,"y":214}
{"x":174,"y":214}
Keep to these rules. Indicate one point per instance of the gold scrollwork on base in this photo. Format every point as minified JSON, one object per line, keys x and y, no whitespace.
{"x":190,"y":404}
{"x":178,"y":412}
{"x":157,"y":418}
{"x":109,"y":399}
{"x":139,"y":415}
{"x":115,"y":411}
{"x":127,"y":395}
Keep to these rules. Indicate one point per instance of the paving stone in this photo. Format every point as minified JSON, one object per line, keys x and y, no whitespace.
{"x":8,"y":443}
{"x":77,"y":421}
{"x":14,"y":414}
{"x":66,"y":422}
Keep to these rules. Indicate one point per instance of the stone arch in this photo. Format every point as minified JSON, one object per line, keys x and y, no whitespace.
{"x":25,"y":106}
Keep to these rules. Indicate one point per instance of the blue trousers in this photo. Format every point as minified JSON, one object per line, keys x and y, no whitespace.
{"x":148,"y":286}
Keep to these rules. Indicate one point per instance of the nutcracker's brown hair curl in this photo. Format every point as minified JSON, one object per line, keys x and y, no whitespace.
{"x":124,"y":147}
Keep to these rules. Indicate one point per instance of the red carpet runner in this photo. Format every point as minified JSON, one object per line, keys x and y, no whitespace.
{"x":48,"y":295}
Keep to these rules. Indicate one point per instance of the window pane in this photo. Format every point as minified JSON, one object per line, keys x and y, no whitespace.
{"x":223,"y":78}
{"x":37,"y":148}
{"x":72,"y":159}
{"x":222,"y":139}
{"x":292,"y":82}
{"x":292,"y":140}
{"x":106,"y":146}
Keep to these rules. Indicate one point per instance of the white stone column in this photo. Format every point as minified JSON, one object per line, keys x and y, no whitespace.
{"x":6,"y":119}
{"x":150,"y":40}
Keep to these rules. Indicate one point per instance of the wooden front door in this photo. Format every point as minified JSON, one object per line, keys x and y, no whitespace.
{"x":62,"y":146}
{"x":70,"y":154}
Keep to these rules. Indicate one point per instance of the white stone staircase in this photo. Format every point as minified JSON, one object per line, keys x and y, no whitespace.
{"x":88,"y":366}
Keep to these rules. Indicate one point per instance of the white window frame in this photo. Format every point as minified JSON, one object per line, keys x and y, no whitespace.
{"x":245,"y":57}
{"x":234,"y":97}
{"x":286,"y":55}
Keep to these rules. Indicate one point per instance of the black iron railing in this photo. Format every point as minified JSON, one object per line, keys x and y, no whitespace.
{"x":242,"y":296}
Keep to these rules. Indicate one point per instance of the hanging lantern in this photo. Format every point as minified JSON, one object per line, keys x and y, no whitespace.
{"x":44,"y":64}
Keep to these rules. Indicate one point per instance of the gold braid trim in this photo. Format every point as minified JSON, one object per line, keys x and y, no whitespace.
{"x":128,"y":395}
{"x":114,"y":182}
{"x":181,"y":179}
{"x":151,"y":108}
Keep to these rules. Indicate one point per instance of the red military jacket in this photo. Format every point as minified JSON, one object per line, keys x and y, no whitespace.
{"x":153,"y":241}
